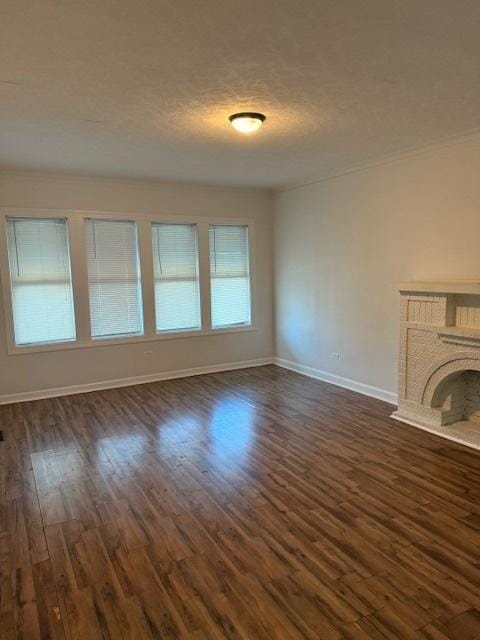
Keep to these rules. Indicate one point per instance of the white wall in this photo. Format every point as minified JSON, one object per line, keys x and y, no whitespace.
{"x":36,"y":371}
{"x":340,"y":247}
{"x":343,"y":244}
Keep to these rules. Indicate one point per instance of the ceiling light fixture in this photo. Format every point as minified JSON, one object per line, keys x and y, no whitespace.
{"x":247,"y":122}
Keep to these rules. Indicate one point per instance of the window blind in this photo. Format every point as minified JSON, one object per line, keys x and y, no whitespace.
{"x":41,"y":283}
{"x":114,"y":284}
{"x":175,"y":268}
{"x":229,"y":275}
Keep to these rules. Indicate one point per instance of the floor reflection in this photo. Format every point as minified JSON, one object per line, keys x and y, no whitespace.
{"x":232,"y":428}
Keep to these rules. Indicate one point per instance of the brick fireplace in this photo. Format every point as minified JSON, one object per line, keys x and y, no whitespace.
{"x":439,"y":361}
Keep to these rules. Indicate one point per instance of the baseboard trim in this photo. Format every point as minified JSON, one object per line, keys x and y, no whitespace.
{"x":339,"y":381}
{"x":472,"y":443}
{"x":128,"y":382}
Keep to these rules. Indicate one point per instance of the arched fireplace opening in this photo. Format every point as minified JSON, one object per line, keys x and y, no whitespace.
{"x":457,"y":397}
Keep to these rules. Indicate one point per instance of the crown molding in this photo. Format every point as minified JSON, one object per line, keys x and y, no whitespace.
{"x":465,"y":138}
{"x":470,"y":137}
{"x":135,"y":183}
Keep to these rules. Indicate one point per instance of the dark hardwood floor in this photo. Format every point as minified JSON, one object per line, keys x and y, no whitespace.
{"x":247,"y":504}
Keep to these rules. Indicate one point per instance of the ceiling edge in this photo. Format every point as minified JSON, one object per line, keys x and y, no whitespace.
{"x":66,"y":177}
{"x":429,"y":147}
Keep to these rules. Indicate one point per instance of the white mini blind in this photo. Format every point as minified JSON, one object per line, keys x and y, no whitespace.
{"x":229,"y":275}
{"x":114,"y":284}
{"x":175,"y":267}
{"x":41,"y":282}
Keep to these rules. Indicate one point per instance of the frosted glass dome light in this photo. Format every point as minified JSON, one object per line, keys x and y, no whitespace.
{"x":247,"y":122}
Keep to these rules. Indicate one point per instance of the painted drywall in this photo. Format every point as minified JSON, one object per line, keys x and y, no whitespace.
{"x":341,"y":246}
{"x":32,"y":372}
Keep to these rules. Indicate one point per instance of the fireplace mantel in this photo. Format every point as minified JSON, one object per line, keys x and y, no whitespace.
{"x":441,"y":286}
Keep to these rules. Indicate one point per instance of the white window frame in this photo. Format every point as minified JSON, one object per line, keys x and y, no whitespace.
{"x":76,"y":234}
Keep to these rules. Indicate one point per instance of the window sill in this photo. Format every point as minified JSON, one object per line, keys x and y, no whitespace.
{"x":108,"y":342}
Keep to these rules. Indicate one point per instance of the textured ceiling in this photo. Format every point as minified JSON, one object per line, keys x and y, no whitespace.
{"x":143,"y":88}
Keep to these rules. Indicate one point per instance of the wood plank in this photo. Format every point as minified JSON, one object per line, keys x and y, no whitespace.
{"x":252,"y":504}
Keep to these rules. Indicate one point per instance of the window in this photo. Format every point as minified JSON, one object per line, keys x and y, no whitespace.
{"x":175,"y":269}
{"x":114,"y":284}
{"x":229,"y":275}
{"x":41,"y":283}
{"x":75,"y":280}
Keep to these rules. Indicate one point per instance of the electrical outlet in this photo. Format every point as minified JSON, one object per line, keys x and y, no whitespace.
{"x":335,"y":355}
